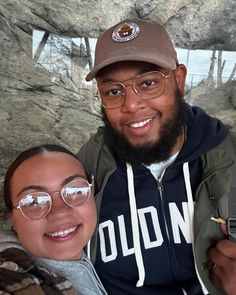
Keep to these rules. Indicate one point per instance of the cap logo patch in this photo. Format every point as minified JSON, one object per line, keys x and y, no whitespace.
{"x":125,"y":32}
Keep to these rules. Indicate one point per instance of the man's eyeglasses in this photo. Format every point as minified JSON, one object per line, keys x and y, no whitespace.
{"x":147,"y":86}
{"x":38,"y":204}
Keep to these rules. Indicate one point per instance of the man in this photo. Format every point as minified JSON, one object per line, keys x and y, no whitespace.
{"x":161,"y":169}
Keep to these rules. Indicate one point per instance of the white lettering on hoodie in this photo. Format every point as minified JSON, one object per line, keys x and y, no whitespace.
{"x":180,"y":224}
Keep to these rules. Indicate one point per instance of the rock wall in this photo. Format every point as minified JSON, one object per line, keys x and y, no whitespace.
{"x":37,"y":106}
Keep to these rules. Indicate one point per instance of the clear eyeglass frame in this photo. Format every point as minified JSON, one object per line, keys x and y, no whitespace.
{"x":146,"y":93}
{"x":73,"y":194}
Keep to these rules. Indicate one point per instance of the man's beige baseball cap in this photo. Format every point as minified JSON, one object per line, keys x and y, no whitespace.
{"x":134,"y":40}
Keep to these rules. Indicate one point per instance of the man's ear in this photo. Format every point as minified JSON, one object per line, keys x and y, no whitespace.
{"x":180,"y":76}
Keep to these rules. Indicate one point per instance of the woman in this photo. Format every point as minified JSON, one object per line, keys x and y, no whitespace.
{"x":53,"y":214}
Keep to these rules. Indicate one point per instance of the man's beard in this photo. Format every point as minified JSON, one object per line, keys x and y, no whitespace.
{"x":148,"y":153}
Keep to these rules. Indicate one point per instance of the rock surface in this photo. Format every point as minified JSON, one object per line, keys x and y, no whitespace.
{"x":39,"y":106}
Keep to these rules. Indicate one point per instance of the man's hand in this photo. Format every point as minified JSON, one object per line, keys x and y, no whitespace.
{"x":223,"y":267}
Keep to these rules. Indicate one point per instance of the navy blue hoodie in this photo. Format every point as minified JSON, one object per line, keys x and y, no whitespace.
{"x":163,"y":220}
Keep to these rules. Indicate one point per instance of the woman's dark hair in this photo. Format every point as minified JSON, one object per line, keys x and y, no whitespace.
{"x":25,"y":155}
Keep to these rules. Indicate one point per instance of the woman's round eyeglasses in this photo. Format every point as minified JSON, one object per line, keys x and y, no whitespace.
{"x":36,"y":205}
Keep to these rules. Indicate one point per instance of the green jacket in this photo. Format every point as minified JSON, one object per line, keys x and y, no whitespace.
{"x":215,"y":185}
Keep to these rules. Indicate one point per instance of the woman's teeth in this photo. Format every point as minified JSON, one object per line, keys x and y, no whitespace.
{"x":62,"y":233}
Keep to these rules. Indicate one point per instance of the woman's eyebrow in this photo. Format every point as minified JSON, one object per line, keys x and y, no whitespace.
{"x":44,"y":188}
{"x":72,"y":177}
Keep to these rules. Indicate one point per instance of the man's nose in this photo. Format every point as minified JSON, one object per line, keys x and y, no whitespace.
{"x":132,"y":101}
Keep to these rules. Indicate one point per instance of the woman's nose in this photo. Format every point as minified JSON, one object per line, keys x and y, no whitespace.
{"x":59,"y":207}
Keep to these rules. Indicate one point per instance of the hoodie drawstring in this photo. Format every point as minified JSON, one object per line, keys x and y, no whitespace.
{"x":88,"y":249}
{"x":191,"y":214}
{"x":135,"y":226}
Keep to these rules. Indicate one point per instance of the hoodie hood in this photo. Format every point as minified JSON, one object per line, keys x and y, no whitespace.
{"x":203,"y":134}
